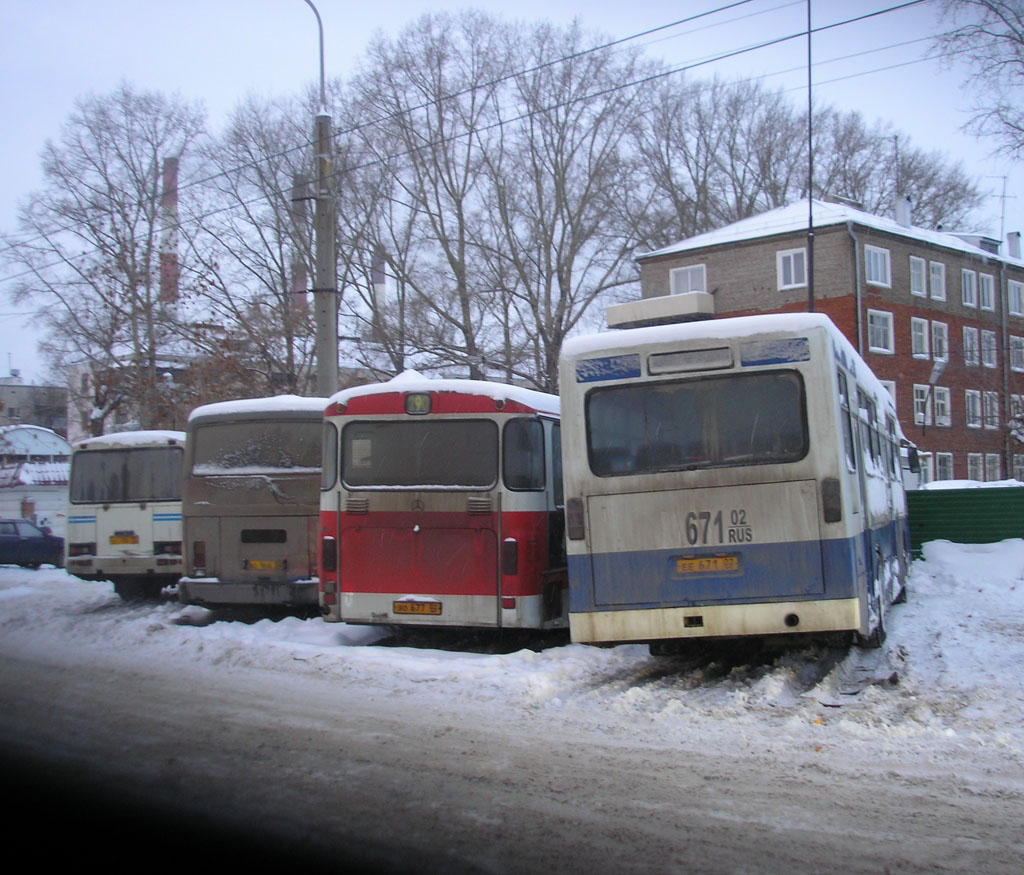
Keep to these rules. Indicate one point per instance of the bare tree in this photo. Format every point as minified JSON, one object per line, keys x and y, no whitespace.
{"x":564,"y":185}
{"x":433,"y":94}
{"x":989,"y":36}
{"x":720,"y":152}
{"x":90,"y":243}
{"x":250,"y":246}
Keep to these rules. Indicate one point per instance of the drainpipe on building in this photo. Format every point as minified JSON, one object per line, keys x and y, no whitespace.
{"x":857,"y":289}
{"x":1005,"y":340}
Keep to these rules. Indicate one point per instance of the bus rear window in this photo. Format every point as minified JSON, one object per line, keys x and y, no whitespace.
{"x":279,"y":446}
{"x":135,"y":474}
{"x":429,"y":454}
{"x":735,"y":419}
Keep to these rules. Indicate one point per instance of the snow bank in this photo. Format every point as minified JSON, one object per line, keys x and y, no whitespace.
{"x":950,"y":673}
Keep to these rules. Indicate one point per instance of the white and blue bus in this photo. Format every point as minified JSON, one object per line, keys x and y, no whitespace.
{"x":124,"y":519}
{"x":729,"y":477}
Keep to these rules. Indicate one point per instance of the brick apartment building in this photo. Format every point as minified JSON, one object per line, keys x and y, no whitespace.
{"x":938,"y":316}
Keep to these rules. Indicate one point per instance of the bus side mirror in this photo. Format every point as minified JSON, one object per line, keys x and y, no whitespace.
{"x":913,"y":460}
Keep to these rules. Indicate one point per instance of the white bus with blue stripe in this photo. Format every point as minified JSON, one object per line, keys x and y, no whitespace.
{"x":729,"y":477}
{"x":124,"y":518}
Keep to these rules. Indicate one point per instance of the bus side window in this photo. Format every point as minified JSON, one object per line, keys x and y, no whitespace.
{"x":556,"y":464}
{"x":868,"y":431}
{"x":329,"y":474}
{"x":894,"y":453}
{"x":845,"y":421}
{"x":524,"y":454}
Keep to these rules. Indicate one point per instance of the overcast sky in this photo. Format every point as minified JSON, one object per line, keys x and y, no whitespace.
{"x":220,"y":51}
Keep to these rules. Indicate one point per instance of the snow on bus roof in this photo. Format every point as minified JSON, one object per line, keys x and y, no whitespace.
{"x":722,"y":328}
{"x":130,"y":439}
{"x":246,"y":406}
{"x":414,"y":381}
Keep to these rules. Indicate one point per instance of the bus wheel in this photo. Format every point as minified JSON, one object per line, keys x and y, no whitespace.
{"x":133,"y":589}
{"x":127,"y":589}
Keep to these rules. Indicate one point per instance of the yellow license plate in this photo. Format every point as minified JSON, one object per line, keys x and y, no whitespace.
{"x":429,"y":608}
{"x":706,"y":564}
{"x":124,"y":539}
{"x":261,"y":564}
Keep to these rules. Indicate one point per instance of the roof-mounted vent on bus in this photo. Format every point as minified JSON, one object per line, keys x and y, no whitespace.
{"x":662,"y":310}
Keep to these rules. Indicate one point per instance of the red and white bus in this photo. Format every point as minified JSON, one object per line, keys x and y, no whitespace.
{"x":441,"y":505}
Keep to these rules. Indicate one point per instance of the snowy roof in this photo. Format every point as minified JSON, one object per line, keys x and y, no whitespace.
{"x":259,"y":406}
{"x":793,"y":217}
{"x":413,"y":381}
{"x":724,"y":328}
{"x":153,"y":438}
{"x":34,"y":474}
{"x":32,"y":440}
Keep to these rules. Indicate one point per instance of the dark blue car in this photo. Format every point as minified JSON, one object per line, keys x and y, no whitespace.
{"x":24,"y":543}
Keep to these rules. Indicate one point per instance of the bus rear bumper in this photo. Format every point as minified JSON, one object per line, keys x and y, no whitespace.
{"x":167,"y":568}
{"x":710,"y":621}
{"x":214,"y":591}
{"x":447,"y":610}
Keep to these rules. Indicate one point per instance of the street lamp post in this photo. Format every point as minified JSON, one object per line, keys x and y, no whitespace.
{"x":325,"y":289}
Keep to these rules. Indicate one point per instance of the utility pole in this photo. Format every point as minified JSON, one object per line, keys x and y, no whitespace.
{"x":325,"y":290}
{"x":810,"y":172}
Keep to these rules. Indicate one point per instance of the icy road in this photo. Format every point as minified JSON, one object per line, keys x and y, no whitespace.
{"x":160,"y":736}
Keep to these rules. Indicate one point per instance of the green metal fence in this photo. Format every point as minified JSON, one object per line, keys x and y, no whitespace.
{"x":965,"y":516}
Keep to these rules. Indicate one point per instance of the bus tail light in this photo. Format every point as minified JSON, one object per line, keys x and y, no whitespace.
{"x":831,"y":500}
{"x":199,"y":558}
{"x":510,"y":556}
{"x":81,"y":549}
{"x":328,"y":554}
{"x":574,"y":519}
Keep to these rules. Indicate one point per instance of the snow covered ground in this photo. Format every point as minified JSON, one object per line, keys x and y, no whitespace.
{"x":948,"y":693}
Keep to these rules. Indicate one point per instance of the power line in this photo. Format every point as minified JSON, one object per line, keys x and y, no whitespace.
{"x":661,"y":74}
{"x":425,"y":104}
{"x":499,"y":80}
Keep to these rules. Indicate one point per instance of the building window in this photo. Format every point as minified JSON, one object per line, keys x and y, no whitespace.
{"x":993,"y":467}
{"x":919,"y":338}
{"x":1016,"y":405}
{"x":1018,"y":466}
{"x":940,"y":341}
{"x":876,"y":266}
{"x":942,"y":405}
{"x":990,"y":402}
{"x":880,"y":331}
{"x":972,"y":350}
{"x":791,"y":269}
{"x":943,"y":466}
{"x":918,"y":276}
{"x":687,"y":279}
{"x":989,"y":354}
{"x":972,"y":399}
{"x":889,"y":387}
{"x":922,"y":405}
{"x":969,"y":288}
{"x":1016,"y":353}
{"x":937,"y":280}
{"x":986,"y":291}
{"x":1015,"y":293}
{"x":975,"y":466}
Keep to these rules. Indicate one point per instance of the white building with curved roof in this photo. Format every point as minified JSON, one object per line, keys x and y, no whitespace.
{"x":34,"y":467}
